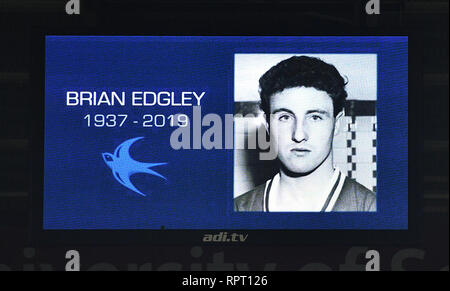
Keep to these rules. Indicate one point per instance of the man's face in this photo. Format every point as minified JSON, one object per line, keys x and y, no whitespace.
{"x":302,"y":124}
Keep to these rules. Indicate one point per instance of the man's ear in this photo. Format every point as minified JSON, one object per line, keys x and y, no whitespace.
{"x":265,"y":122}
{"x":338,"y":122}
{"x":267,"y":126}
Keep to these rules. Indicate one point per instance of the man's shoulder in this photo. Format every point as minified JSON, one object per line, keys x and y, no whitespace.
{"x":251,"y":200}
{"x":355,"y":197}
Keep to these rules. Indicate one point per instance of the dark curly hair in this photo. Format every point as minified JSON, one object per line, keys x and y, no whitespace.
{"x":303,"y":71}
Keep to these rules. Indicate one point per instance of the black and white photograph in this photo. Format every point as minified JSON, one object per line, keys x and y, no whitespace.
{"x":320,"y":113}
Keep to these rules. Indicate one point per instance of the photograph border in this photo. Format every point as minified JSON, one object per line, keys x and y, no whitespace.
{"x":347,"y":100}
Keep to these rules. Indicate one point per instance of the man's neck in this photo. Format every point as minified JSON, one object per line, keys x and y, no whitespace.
{"x":309,"y":187}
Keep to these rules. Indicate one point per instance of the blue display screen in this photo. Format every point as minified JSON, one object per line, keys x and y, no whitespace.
{"x":123,"y":148}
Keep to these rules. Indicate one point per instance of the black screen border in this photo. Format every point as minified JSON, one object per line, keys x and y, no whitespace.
{"x":40,"y":236}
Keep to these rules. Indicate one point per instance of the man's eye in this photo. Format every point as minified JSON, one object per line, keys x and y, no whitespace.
{"x":284,"y":118}
{"x":316,"y":117}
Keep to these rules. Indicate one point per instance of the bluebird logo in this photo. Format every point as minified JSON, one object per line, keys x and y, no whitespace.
{"x":124,"y":166}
